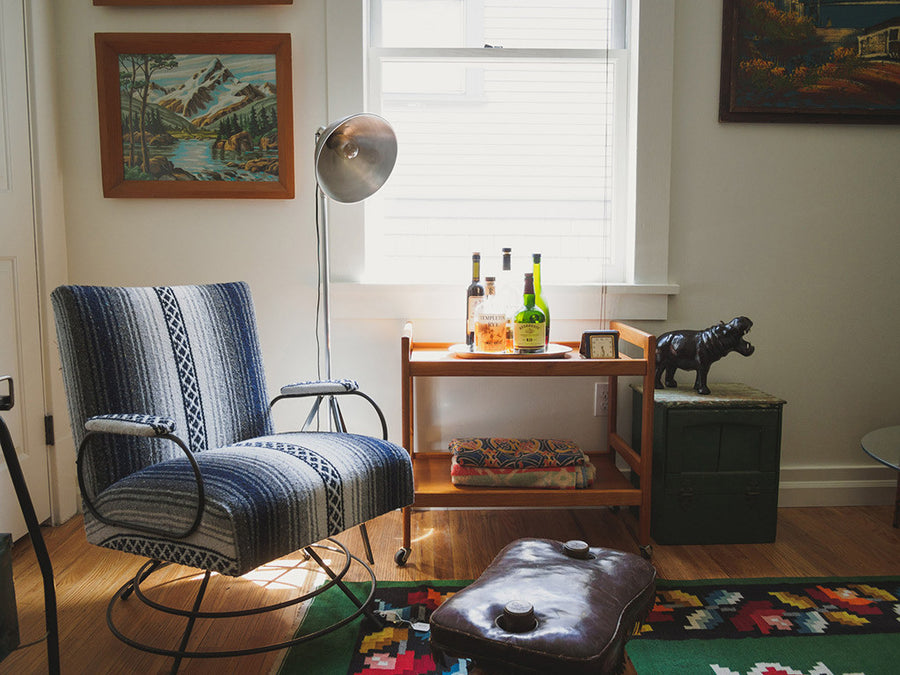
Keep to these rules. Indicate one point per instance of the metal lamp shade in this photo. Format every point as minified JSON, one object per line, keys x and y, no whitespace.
{"x":354,"y":157}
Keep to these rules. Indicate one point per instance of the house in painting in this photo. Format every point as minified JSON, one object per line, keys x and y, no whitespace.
{"x":881,"y":41}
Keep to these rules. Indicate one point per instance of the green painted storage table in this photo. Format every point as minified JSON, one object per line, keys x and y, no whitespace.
{"x":715,"y":464}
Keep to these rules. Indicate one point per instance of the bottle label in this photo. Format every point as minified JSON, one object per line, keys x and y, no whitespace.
{"x":529,"y":336}
{"x":490,"y":333}
{"x":474,"y":301}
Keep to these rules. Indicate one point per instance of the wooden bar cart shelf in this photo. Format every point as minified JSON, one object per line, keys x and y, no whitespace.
{"x":611,"y":487}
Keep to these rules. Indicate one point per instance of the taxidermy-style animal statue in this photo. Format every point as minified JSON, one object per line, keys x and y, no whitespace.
{"x":699,"y":349}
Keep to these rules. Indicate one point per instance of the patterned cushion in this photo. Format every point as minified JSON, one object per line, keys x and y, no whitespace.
{"x":265,"y":498}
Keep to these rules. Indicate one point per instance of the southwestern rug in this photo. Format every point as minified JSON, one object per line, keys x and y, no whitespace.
{"x":823,"y":626}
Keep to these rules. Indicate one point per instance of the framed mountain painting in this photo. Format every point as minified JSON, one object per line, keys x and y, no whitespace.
{"x":195,"y":115}
{"x":810,"y":61}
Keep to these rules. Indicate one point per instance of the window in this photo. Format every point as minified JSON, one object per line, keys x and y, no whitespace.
{"x":643,"y":291}
{"x":511,"y":121}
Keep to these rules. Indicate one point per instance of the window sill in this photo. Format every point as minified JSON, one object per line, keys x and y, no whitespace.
{"x":445,"y":301}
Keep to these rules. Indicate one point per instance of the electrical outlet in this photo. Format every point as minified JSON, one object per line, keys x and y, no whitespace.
{"x":601,"y":399}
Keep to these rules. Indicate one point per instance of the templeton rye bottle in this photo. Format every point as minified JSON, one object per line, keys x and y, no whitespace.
{"x":490,"y":322}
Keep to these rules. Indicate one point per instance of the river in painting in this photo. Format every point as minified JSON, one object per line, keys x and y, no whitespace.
{"x":198,"y":158}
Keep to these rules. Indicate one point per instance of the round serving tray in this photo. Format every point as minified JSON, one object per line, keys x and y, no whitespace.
{"x":554,"y":351}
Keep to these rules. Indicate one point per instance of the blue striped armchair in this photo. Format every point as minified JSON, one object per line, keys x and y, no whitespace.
{"x":178,"y":461}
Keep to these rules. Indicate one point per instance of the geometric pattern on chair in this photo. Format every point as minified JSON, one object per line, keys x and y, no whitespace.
{"x":191,"y":354}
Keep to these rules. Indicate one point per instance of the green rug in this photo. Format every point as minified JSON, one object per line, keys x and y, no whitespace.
{"x":721,"y":627}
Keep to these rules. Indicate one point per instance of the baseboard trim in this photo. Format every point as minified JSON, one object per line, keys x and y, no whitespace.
{"x":837,"y":486}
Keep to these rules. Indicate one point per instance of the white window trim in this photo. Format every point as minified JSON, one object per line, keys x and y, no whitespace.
{"x":644,"y":296}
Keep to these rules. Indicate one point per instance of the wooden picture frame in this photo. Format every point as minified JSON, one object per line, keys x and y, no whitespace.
{"x":811,"y":62}
{"x":170,"y":3}
{"x":215,"y":120}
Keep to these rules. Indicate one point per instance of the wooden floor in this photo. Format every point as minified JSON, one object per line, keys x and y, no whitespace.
{"x":455,"y":544}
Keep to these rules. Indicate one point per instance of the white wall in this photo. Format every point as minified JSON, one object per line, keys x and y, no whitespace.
{"x":792,"y":225}
{"x":795,"y":226}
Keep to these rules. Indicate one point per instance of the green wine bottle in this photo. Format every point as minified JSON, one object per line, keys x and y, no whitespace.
{"x":530,"y":324}
{"x":539,"y":300}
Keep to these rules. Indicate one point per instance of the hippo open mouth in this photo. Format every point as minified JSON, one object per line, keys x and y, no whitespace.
{"x":742,"y":326}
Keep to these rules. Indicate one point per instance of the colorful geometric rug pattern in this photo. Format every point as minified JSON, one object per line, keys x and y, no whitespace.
{"x":399,"y":648}
{"x":794,"y":626}
{"x":788,"y":621}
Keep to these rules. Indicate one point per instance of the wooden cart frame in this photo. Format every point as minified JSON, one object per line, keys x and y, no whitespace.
{"x":611,"y":487}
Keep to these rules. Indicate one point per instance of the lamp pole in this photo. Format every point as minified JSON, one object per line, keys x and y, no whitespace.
{"x":324,"y":275}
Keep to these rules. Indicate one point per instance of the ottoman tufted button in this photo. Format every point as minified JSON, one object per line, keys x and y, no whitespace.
{"x":575,"y":548}
{"x":517,"y":617}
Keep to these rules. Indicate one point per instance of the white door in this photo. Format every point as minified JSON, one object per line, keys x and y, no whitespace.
{"x":20,"y":330}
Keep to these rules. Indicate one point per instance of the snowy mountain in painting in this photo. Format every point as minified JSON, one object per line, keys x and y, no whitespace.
{"x":210,"y":94}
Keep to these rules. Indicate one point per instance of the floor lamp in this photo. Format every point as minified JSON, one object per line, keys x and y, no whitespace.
{"x":354,"y":157}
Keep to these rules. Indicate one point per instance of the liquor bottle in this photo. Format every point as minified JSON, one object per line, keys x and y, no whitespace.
{"x":474,"y":295}
{"x":490,"y":322}
{"x":509,"y":294}
{"x":530,"y":325}
{"x":539,"y":298}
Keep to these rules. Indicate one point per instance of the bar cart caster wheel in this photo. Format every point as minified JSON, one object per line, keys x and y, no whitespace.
{"x":647,"y":551}
{"x":401,"y":556}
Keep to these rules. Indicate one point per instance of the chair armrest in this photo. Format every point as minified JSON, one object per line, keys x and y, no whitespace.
{"x":323,"y":388}
{"x":150,"y":426}
{"x":320,"y":388}
{"x":131,"y":425}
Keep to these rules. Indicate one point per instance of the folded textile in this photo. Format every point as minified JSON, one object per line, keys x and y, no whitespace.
{"x":516,"y":453}
{"x":566,"y":477}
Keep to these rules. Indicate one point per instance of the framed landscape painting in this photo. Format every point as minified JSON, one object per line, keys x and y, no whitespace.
{"x":810,"y":61}
{"x":141,"y":3}
{"x":195,"y":115}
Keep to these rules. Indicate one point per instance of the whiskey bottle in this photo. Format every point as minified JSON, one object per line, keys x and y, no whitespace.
{"x":490,"y":322}
{"x":474,"y":295}
{"x":539,"y":300}
{"x":530,"y":324}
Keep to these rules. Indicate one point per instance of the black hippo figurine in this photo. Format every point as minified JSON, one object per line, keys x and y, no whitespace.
{"x":699,"y":349}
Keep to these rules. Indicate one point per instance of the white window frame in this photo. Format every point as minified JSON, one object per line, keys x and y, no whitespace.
{"x":644,"y":294}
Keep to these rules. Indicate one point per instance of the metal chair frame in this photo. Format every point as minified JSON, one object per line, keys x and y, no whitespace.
{"x":133,"y":586}
{"x":363,"y":607}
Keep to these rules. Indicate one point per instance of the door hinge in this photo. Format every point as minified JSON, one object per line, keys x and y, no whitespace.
{"x":49,"y":436}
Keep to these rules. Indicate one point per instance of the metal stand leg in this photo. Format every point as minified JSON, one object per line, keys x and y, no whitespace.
{"x":34,"y":531}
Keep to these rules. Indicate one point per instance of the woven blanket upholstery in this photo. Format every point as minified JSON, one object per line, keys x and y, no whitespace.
{"x":190,"y":354}
{"x":516,"y":453}
{"x":265,"y":498}
{"x":559,"y":477}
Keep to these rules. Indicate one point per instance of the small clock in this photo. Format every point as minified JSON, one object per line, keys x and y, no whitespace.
{"x":600,"y":344}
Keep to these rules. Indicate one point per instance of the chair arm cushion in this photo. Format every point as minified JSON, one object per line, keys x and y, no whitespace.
{"x":131,"y":425}
{"x":318,"y":388}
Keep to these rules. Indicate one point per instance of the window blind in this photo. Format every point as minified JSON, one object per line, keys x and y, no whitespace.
{"x":509,"y":118}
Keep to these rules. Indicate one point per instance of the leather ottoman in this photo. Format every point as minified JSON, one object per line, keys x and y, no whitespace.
{"x":546,"y":606}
